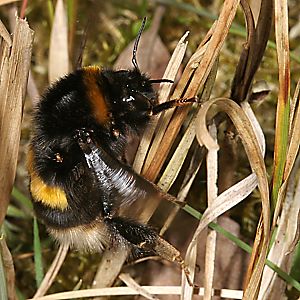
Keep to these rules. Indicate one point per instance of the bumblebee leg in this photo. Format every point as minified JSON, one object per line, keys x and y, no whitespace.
{"x":138,"y":235}
{"x":173,"y":103}
{"x":170,"y":253}
{"x":145,"y":241}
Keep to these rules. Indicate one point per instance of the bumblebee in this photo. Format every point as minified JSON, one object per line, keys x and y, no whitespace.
{"x":79,"y":182}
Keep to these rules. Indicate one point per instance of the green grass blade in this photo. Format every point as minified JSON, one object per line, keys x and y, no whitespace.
{"x":21,"y":198}
{"x":295,"y":271}
{"x":15,"y":212}
{"x":38,"y":264}
{"x":280,"y":148}
{"x":3,"y":289}
{"x":20,"y":295}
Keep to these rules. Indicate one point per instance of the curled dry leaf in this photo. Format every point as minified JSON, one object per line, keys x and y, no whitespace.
{"x":242,"y":189}
{"x":254,"y":153}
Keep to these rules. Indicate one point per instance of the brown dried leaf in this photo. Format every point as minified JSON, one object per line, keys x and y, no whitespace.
{"x":253,"y":49}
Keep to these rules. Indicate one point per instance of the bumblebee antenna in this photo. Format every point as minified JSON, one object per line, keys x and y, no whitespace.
{"x":136,"y":43}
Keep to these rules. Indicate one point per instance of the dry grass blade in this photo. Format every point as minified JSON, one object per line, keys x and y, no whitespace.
{"x":294,"y":102}
{"x":8,"y":265}
{"x":58,"y":52}
{"x":196,"y":72}
{"x":175,"y":163}
{"x":212,"y":193}
{"x":127,"y":291}
{"x":177,"y":160}
{"x":158,"y":151}
{"x":170,"y":73}
{"x":5,"y":34}
{"x":294,"y":142}
{"x":14,"y":68}
{"x":253,"y":150}
{"x":52,"y":271}
{"x":130,"y":282}
{"x":280,"y":253}
{"x":287,"y":228}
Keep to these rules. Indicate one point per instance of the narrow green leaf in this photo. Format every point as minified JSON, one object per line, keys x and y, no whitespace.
{"x":39,"y":272}
{"x":20,"y":295}
{"x":50,"y":11}
{"x":281,"y":149}
{"x":15,"y":212}
{"x":20,"y":197}
{"x":295,"y":271}
{"x":3,"y":289}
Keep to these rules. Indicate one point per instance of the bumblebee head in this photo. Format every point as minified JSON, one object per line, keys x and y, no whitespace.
{"x":130,"y":95}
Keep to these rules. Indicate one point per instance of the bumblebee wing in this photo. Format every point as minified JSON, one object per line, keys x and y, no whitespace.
{"x":122,"y":185}
{"x":84,"y":189}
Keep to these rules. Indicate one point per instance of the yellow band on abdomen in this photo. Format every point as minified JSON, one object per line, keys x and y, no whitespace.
{"x":51,"y":196}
